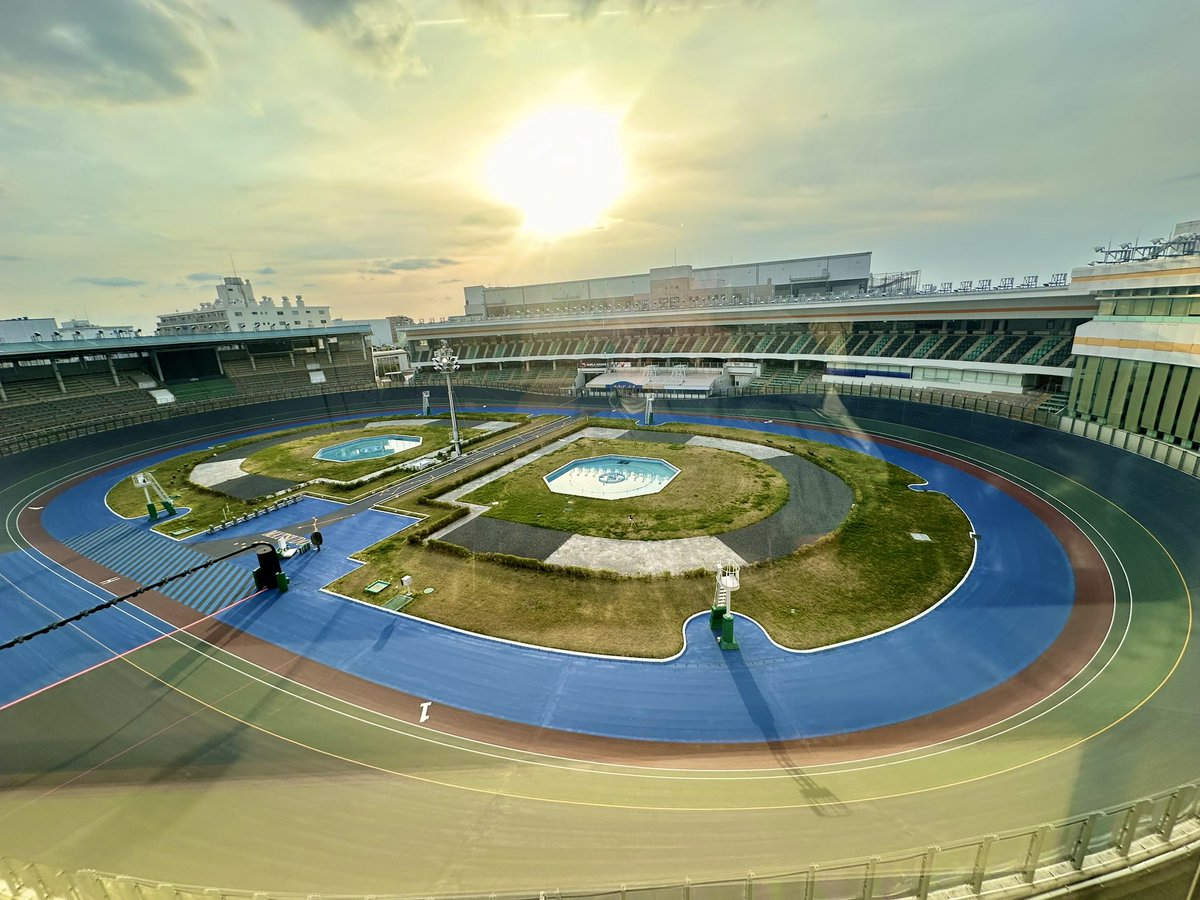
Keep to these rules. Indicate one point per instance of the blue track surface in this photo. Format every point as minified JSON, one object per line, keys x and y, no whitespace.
{"x":133,"y":550}
{"x":1007,"y":613}
{"x":35,"y":593}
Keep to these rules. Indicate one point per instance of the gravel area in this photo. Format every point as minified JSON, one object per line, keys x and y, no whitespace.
{"x":247,"y":487}
{"x":211,"y":474}
{"x":672,"y":557}
{"x":484,"y":535}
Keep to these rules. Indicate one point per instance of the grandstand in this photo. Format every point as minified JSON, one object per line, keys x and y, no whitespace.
{"x":1125,"y":322}
{"x":60,"y":388}
{"x":1010,"y":341}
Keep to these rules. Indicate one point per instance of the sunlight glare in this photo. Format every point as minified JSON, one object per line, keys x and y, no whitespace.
{"x":562,"y":168}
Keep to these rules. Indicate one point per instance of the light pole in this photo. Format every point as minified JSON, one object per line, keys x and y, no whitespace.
{"x":446,"y":362}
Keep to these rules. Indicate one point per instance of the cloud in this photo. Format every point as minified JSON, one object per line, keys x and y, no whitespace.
{"x":391,"y":266}
{"x":505,"y":12}
{"x":9,"y":257}
{"x":265,"y":270}
{"x":375,"y":32}
{"x":450,"y":281}
{"x":104,"y":51}
{"x":204,"y":276}
{"x":378,"y":33}
{"x":99,"y":281}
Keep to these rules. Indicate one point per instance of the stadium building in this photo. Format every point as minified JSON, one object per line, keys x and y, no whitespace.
{"x":50,"y":389}
{"x":1111,"y":344}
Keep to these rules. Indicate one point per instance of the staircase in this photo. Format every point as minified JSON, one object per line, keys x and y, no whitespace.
{"x":136,"y":552}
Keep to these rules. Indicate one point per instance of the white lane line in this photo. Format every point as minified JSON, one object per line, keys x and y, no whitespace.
{"x":656,"y":772}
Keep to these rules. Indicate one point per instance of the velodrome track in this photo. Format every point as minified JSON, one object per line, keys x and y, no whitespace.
{"x":187,"y":764}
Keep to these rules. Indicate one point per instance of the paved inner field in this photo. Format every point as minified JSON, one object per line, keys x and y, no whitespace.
{"x":277,"y":745}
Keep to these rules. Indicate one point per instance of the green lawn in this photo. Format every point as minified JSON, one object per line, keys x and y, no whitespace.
{"x":294,"y":460}
{"x":715,"y":491}
{"x":867,"y":576}
{"x":208,"y":507}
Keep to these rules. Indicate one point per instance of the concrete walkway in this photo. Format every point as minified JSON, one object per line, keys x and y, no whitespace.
{"x":672,"y":557}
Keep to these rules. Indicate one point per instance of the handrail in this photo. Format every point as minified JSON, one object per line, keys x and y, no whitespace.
{"x":1026,"y":862}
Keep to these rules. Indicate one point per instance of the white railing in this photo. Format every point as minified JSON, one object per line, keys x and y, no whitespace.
{"x":1101,"y":847}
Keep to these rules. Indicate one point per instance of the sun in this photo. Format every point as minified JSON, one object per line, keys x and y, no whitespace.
{"x":562,"y":168}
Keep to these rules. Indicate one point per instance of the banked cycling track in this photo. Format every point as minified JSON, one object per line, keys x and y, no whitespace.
{"x":275,"y":744}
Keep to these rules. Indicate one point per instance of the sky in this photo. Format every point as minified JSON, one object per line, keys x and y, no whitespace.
{"x":341,"y":149}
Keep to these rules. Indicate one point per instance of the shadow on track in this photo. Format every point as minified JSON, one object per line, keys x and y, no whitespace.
{"x":821,"y":800}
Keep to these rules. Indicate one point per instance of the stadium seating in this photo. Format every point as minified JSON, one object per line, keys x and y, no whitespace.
{"x":878,"y":340}
{"x":38,"y":407}
{"x":201,"y":389}
{"x":37,"y":403}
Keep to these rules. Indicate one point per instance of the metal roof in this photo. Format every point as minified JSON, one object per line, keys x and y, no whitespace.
{"x":71,"y":347}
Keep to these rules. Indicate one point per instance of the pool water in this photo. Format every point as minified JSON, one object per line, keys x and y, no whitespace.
{"x":611,"y":477}
{"x":375,"y":447}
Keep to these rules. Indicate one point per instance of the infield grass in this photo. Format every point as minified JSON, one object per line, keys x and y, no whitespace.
{"x":866,"y":576}
{"x":715,"y":491}
{"x":207,"y":507}
{"x":294,"y":460}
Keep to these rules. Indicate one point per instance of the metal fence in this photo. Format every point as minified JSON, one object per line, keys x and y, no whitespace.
{"x":1173,"y":455}
{"x":53,"y":434}
{"x":1187,"y":461}
{"x":1105,"y":845}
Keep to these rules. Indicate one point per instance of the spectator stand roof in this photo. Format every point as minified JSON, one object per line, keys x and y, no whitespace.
{"x":70,"y":347}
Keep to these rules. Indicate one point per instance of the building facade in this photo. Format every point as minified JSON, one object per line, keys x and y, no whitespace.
{"x":1138,"y":360}
{"x":237,"y":309}
{"x":675,"y":286}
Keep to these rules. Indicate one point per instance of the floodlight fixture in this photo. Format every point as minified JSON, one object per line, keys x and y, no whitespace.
{"x":446,"y":362}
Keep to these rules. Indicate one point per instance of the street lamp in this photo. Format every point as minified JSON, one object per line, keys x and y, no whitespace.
{"x":446,"y":362}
